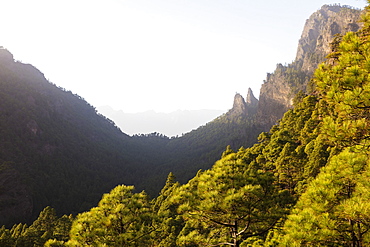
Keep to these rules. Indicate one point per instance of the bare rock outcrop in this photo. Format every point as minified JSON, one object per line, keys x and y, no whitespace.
{"x":250,"y":99}
{"x":280,"y":87}
{"x":320,"y":30}
{"x":244,"y":108}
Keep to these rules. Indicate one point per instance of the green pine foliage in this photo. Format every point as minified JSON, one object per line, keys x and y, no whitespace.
{"x":230,"y":203}
{"x":46,"y":228}
{"x":167,"y":223}
{"x":334,"y":210}
{"x":122,"y":218}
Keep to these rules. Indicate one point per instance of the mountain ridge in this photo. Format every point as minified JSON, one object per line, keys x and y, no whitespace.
{"x":171,"y":124}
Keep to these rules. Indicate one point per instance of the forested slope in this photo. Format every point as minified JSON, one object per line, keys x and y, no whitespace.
{"x":200,"y":148}
{"x":54,"y":150}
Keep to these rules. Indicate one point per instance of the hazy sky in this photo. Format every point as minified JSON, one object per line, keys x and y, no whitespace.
{"x":138,"y":55}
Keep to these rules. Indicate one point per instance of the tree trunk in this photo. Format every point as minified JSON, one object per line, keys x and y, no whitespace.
{"x":235,"y":234}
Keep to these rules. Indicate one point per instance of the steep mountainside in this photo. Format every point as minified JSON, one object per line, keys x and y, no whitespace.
{"x":280,"y":87}
{"x":242,"y":124}
{"x":55,"y":149}
{"x":200,"y":148}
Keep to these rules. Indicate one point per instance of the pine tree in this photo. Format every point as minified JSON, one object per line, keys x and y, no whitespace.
{"x":41,"y":229}
{"x":122,"y":218}
{"x":230,"y":203}
{"x":168,"y":223}
{"x":6,"y":238}
{"x":333,"y":211}
{"x":345,"y":86}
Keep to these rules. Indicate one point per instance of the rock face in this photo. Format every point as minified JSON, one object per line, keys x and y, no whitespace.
{"x":243,"y":107}
{"x":239,"y":106}
{"x":251,"y":100}
{"x":280,"y":87}
{"x":320,"y":30}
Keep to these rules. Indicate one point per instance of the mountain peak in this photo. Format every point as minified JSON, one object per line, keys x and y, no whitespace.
{"x":320,"y":29}
{"x":243,"y":107}
{"x":278,"y":90}
{"x":5,"y":55}
{"x":251,"y":100}
{"x":239,"y":105}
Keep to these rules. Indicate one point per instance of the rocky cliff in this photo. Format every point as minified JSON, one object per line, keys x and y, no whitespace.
{"x":250,"y":99}
{"x":280,"y":87}
{"x":320,"y":30}
{"x":245,"y":108}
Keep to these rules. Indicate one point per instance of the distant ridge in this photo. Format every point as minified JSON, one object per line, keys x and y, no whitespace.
{"x":170,"y":124}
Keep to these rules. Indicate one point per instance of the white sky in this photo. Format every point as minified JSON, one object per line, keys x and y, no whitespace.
{"x":162,"y":55}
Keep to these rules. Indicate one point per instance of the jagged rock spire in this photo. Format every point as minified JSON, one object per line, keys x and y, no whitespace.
{"x":251,"y":100}
{"x":239,"y":105}
{"x":242,"y":107}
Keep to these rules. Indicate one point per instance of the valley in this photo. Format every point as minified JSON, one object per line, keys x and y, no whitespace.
{"x":287,"y":169}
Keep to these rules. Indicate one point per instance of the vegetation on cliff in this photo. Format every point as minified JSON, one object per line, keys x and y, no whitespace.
{"x":280,"y":87}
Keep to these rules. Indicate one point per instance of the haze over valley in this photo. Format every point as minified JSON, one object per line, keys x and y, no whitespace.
{"x":170,"y":124}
